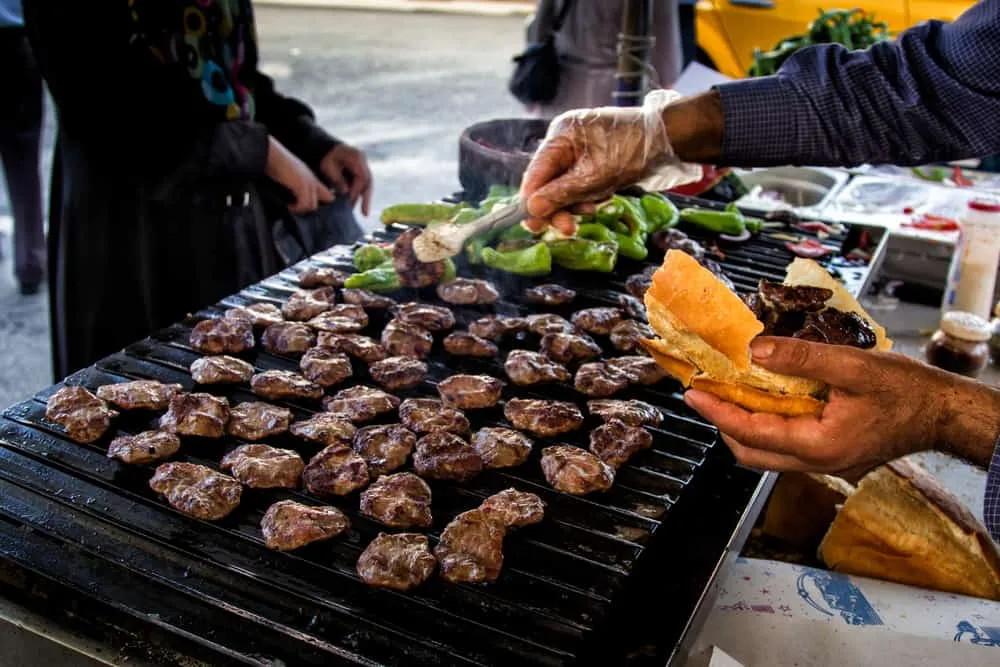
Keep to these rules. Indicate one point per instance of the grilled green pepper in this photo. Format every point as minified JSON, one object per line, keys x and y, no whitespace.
{"x":660,"y":212}
{"x":584,"y":255}
{"x":515,"y":233}
{"x":419,"y":214}
{"x":382,"y":278}
{"x":466,"y":215}
{"x":535,"y":260}
{"x":594,"y":232}
{"x":632,"y":246}
{"x":633,"y":214}
{"x":450,"y":271}
{"x":369,"y":256}
{"x":730,"y":221}
{"x":609,"y":212}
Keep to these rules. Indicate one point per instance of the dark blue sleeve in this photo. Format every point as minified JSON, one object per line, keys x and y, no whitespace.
{"x":931,"y":95}
{"x":991,"y":503}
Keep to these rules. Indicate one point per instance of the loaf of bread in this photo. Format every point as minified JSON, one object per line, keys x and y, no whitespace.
{"x":802,"y":507}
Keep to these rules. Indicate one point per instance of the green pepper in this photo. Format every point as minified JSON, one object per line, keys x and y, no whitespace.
{"x":474,"y":247}
{"x":633,"y":214}
{"x":594,"y":232}
{"x":535,"y":260}
{"x":584,"y":255}
{"x":465,"y":215}
{"x":419,"y":214}
{"x":382,"y":278}
{"x":632,"y":246}
{"x":515,"y":233}
{"x":721,"y":222}
{"x":369,"y":256}
{"x":660,"y":212}
{"x":609,"y":212}
{"x":450,"y":271}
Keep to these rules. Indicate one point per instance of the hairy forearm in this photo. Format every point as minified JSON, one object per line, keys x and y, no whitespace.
{"x":694,"y":126}
{"x":969,"y":423}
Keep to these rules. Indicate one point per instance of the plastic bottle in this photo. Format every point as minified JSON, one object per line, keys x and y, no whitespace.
{"x":973,"y":273}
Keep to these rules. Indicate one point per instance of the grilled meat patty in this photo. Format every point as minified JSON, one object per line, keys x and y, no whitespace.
{"x":255,"y":420}
{"x":288,"y":525}
{"x":197,"y":414}
{"x":637,"y":284}
{"x":400,"y":562}
{"x":800,"y":311}
{"x":196,"y":490}
{"x":259,"y":315}
{"x":494,"y":327}
{"x":632,"y":307}
{"x":514,"y":509}
{"x":324,"y":428}
{"x":597,"y":321}
{"x":396,"y":373}
{"x":277,"y":385}
{"x":264,"y":467}
{"x":221,"y":369}
{"x":501,"y":447}
{"x":549,"y":295}
{"x":341,"y":318}
{"x":84,"y":416}
{"x":427,"y":415}
{"x":569,"y":347}
{"x":222,"y":336}
{"x":402,"y":500}
{"x":543,"y":418}
{"x":335,"y":471}
{"x":412,"y":272}
{"x":471,"y":549}
{"x":384,"y":447}
{"x":325,"y":367}
{"x":425,"y":316}
{"x":360,"y":347}
{"x":600,"y":379}
{"x":305,"y":304}
{"x":322,"y":277}
{"x":626,"y":334}
{"x":144,"y":447}
{"x":406,"y":340}
{"x":288,"y":338}
{"x":466,"y":344}
{"x":360,"y":403}
{"x":547,"y":323}
{"x":442,"y":455}
{"x":467,"y":292}
{"x":836,"y":327}
{"x":470,"y":391}
{"x":632,"y":413}
{"x":139,"y":394}
{"x":638,"y":369}
{"x":366,"y":298}
{"x":525,"y":367}
{"x":575,"y":471}
{"x":615,"y":442}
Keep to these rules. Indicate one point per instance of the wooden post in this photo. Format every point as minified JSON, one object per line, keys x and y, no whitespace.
{"x":634,"y":42}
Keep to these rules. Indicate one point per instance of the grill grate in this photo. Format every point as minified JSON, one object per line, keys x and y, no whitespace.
{"x":575,"y":589}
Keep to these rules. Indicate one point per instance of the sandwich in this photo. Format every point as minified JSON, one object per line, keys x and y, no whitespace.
{"x":704,"y":330}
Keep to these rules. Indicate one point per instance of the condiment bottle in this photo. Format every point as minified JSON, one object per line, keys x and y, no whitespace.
{"x":973,"y":272}
{"x":959,"y":345}
{"x":995,"y":336}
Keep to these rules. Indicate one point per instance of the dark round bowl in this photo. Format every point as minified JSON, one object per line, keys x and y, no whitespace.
{"x":497,"y":152}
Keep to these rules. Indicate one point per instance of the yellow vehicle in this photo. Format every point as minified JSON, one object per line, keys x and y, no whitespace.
{"x":729,"y":30}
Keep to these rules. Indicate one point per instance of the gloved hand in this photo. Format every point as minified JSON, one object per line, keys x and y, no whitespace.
{"x":588,"y":154}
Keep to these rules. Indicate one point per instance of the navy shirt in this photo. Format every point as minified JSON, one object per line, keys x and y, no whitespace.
{"x":10,"y":14}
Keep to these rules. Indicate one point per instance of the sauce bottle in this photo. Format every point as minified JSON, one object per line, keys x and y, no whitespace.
{"x":973,"y":272}
{"x":960,"y":344}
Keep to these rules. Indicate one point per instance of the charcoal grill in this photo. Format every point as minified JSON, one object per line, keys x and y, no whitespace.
{"x":618,"y":578}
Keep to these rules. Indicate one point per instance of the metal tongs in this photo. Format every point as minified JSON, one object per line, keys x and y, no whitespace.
{"x":441,"y":241}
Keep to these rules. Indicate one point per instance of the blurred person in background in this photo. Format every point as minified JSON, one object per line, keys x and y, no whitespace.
{"x":587,"y":44}
{"x":171,"y":147}
{"x":21,"y":104}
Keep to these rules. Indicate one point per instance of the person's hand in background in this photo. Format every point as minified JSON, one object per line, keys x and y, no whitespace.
{"x":347,"y":170}
{"x":292,"y":173}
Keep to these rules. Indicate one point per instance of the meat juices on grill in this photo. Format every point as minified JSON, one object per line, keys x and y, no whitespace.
{"x":543,"y":418}
{"x":255,"y":420}
{"x":259,"y":315}
{"x":600,"y":379}
{"x":633,"y":307}
{"x":427,"y":415}
{"x":471,"y":549}
{"x":412,"y":272}
{"x":494,"y":327}
{"x":575,"y":471}
{"x":406,"y":340}
{"x":335,"y":471}
{"x":514,"y":509}
{"x":568,"y":347}
{"x":525,"y":367}
{"x":342,"y":318}
{"x":196,"y":414}
{"x":501,"y":447}
{"x":632,"y":413}
{"x":626,"y":334}
{"x":144,"y":447}
{"x":360,"y":347}
{"x":288,"y":338}
{"x":288,"y":525}
{"x":322,"y":277}
{"x":638,"y":369}
{"x":467,"y":292}
{"x":597,"y":321}
{"x":222,"y":336}
{"x":396,"y":373}
{"x":549,"y":295}
{"x":360,"y":404}
{"x":325,"y":367}
{"x":139,"y":394}
{"x":466,"y":344}
{"x":442,"y":455}
{"x":324,"y":428}
{"x":470,"y":391}
{"x":400,"y":562}
{"x":385,"y":447}
{"x":197,"y":491}
{"x":615,"y":442}
{"x":547,"y":323}
{"x":305,"y":304}
{"x":277,"y":385}
{"x":221,"y":369}
{"x":366,"y":298}
{"x":425,"y":316}
{"x":402,"y":500}
{"x":264,"y":467}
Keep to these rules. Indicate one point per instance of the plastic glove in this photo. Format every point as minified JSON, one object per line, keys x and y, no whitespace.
{"x":588,"y":154}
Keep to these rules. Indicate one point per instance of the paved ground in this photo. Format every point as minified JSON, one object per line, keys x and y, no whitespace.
{"x":401,"y":86}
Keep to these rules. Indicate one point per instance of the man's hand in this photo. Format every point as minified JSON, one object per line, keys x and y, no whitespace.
{"x":347,"y":169}
{"x":284,"y":168}
{"x":881,"y":406}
